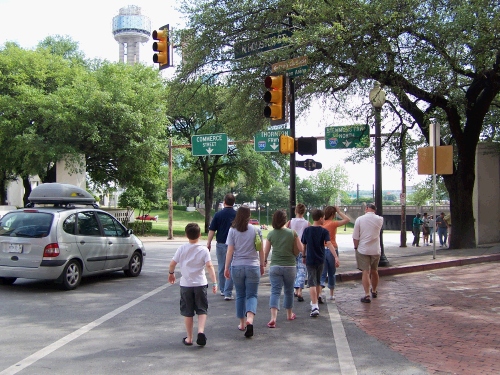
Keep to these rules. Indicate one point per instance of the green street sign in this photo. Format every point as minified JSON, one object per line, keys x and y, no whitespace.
{"x":268,"y":141}
{"x":209,"y":144}
{"x":299,"y":71}
{"x":256,"y":46}
{"x":349,"y":136}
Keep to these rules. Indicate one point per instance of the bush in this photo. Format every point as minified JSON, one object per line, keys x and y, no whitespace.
{"x":140,"y":227}
{"x":180,"y":208}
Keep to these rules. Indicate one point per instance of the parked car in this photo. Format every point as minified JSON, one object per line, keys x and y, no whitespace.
{"x":147,"y":217}
{"x":254,"y":221}
{"x":62,"y":235}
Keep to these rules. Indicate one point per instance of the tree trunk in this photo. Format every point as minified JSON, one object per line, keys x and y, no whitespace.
{"x":3,"y":188}
{"x":27,"y":189}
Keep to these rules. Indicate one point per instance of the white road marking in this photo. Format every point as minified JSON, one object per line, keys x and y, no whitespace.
{"x":346,"y":362}
{"x":28,"y":361}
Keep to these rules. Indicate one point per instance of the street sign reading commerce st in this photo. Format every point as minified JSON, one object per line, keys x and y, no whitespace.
{"x":350,"y":136}
{"x":209,"y":144}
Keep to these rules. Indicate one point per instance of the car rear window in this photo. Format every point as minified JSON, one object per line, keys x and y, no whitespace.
{"x":26,"y":224}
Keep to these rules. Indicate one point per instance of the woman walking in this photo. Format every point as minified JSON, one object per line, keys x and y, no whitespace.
{"x":245,"y":265}
{"x":286,"y":246}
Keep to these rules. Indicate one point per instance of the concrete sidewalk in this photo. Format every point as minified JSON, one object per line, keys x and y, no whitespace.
{"x":416,"y":259}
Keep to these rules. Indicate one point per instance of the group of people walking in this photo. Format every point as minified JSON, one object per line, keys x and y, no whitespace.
{"x":428,"y":226}
{"x":300,"y":251}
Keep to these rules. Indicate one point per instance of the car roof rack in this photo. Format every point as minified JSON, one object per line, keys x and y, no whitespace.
{"x":60,"y":195}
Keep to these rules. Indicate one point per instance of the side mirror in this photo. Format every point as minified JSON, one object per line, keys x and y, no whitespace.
{"x":129,"y":232}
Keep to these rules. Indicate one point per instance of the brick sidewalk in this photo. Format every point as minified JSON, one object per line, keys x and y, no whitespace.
{"x":446,"y":319}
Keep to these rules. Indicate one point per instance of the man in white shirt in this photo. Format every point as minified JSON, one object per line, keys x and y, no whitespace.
{"x":366,"y":238}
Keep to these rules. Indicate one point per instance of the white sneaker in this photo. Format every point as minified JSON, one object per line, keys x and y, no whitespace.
{"x":331,"y":298}
{"x":228,"y":298}
{"x":314,"y":312}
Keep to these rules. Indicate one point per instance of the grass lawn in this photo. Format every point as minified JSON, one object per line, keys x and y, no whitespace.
{"x":182,"y":218}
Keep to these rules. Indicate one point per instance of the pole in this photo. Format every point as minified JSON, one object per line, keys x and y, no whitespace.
{"x":170,"y":198}
{"x":378,"y":182}
{"x":403,"y":188}
{"x":292,"y":155}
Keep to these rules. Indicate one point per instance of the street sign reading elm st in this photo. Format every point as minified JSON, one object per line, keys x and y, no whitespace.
{"x":209,"y":144}
{"x":268,"y":141}
{"x":350,"y":136}
{"x":308,"y":164}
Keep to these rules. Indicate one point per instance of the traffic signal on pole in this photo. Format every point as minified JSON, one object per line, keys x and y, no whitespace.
{"x":161,"y":47}
{"x":275,"y":97}
{"x":307,"y":146}
{"x":287,"y":144}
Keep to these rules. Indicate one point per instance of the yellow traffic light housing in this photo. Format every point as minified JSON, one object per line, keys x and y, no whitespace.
{"x":161,"y":47}
{"x":275,"y":97}
{"x":287,"y":144}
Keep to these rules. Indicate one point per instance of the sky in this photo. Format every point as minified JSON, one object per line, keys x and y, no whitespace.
{"x":89,"y":23}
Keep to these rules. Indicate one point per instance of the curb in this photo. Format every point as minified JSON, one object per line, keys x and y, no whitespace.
{"x":356,"y":275}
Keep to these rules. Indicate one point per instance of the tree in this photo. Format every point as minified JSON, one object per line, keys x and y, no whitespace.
{"x":438,"y":59}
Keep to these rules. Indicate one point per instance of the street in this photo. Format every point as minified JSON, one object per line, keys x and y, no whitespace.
{"x":438,"y":322}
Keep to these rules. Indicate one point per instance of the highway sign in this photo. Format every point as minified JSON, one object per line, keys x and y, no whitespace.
{"x":308,"y":164}
{"x":255,"y":46}
{"x":209,"y":144}
{"x":269,"y":141}
{"x":350,"y":136}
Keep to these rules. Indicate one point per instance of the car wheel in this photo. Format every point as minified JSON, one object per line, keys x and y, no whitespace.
{"x":71,"y":275}
{"x":134,"y":265}
{"x":7,"y":280}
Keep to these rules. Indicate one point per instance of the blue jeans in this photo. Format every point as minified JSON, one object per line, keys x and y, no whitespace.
{"x":246,"y":281}
{"x":329,"y":269}
{"x":280,"y":277}
{"x":442,"y":233}
{"x":225,"y":285}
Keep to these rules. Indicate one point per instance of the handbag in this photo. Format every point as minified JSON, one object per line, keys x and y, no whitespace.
{"x":257,"y":241}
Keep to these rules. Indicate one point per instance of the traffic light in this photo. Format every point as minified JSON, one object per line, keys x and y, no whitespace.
{"x":275,"y":97}
{"x":161,"y":47}
{"x":307,"y":146}
{"x":287,"y":144}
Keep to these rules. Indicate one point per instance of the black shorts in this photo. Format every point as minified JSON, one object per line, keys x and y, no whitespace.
{"x":194,"y":299}
{"x":314,"y":274}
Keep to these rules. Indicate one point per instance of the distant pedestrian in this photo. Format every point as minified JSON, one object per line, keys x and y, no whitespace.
{"x":286,"y":246}
{"x":315,"y":238}
{"x":192,"y":259}
{"x":221,"y":223}
{"x":331,"y":224}
{"x":366,"y":238}
{"x":298,"y":224}
{"x":417,"y":224}
{"x":425,"y":229}
{"x":432,"y":227}
{"x":447,"y":218}
{"x":245,"y":265}
{"x":442,"y":229}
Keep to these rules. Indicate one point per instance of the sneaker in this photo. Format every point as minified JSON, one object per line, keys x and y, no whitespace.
{"x":222,"y":294}
{"x":331,"y":298}
{"x":228,"y":298}
{"x":314,"y":312}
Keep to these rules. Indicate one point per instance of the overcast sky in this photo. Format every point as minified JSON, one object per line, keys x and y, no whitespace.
{"x":89,"y":23}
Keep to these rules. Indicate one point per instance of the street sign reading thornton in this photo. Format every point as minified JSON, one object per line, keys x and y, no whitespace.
{"x":350,"y":136}
{"x":209,"y":144}
{"x":268,"y":141}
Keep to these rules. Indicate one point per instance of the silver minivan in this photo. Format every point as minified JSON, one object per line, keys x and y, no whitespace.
{"x":61,"y":235}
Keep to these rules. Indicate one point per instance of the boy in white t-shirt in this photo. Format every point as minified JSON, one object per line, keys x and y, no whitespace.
{"x":193,"y":258}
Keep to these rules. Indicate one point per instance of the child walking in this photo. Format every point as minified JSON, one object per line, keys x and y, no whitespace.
{"x":193,"y":258}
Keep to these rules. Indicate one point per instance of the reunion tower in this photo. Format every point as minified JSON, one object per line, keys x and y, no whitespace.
{"x":129,"y":29}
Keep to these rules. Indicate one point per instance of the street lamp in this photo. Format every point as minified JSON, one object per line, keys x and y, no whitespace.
{"x":345,"y":212}
{"x":377,"y":100}
{"x":267,"y":213}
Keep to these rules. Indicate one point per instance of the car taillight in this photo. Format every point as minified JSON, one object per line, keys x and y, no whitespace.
{"x":51,"y":250}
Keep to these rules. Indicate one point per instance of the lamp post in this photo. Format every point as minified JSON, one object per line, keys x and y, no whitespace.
{"x":267,"y":213}
{"x":377,"y":100}
{"x":345,"y":212}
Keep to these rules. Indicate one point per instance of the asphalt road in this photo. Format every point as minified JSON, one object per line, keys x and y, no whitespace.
{"x":114,"y":324}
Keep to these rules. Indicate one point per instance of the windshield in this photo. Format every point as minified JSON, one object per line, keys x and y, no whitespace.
{"x":25,"y":224}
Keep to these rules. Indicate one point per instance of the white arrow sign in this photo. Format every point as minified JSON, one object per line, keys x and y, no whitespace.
{"x":274,"y":146}
{"x":346,"y":143}
{"x":209,"y":150}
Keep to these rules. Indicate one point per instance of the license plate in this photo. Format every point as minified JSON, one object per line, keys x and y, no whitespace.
{"x":15,"y":248}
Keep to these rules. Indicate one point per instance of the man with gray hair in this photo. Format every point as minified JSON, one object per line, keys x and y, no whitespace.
{"x":366,"y":238}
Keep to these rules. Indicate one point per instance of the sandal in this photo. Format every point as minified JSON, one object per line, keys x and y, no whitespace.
{"x":185,"y":342}
{"x":300,"y":299}
{"x":249,"y":331}
{"x":374,"y":294}
{"x":366,"y":299}
{"x":241,"y":328}
{"x":202,"y":339}
{"x":271,"y":324}
{"x":292,"y":317}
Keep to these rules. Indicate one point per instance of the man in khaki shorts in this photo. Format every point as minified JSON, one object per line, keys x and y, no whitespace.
{"x":366,"y":238}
